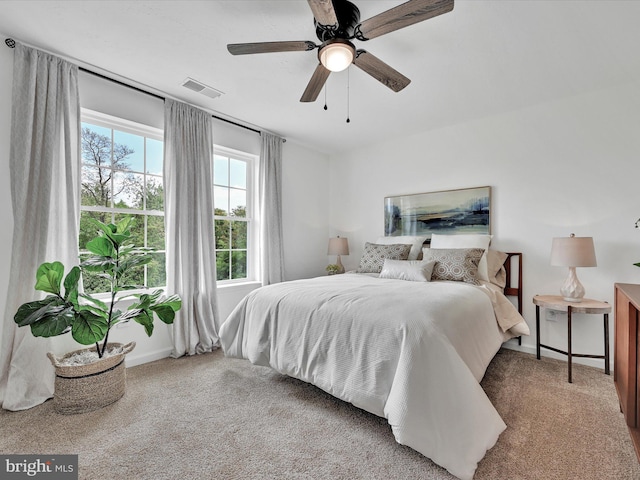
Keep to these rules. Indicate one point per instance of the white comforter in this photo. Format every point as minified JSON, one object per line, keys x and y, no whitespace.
{"x":412,"y":352}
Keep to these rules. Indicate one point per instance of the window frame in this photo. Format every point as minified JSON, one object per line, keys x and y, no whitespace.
{"x":251,"y":162}
{"x":126,"y":126}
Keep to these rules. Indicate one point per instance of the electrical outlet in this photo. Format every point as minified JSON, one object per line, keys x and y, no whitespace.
{"x":555,"y":315}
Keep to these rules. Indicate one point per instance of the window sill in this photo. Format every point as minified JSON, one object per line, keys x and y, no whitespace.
{"x":228,"y":287}
{"x":240,"y":285}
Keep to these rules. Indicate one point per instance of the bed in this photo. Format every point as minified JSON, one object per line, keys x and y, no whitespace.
{"x":413,"y":352}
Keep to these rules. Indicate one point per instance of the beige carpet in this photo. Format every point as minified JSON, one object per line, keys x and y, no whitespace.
{"x":210,"y":417}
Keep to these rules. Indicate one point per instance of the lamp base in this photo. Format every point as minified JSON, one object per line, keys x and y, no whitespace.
{"x":572,"y":290}
{"x":340,"y":266}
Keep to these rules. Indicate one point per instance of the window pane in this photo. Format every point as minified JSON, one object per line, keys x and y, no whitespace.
{"x":128,"y":190}
{"x":96,"y":145}
{"x":132,"y":278}
{"x":238,"y":202}
{"x":239,"y":235}
{"x":96,"y":186}
{"x":221,"y":201}
{"x":137,"y":228}
{"x":155,"y":193}
{"x":239,"y":264}
{"x":220,"y":170}
{"x":156,"y":271}
{"x":88,"y":230}
{"x":93,"y":283}
{"x":222,"y":265}
{"x":128,"y":151}
{"x":222,"y":232}
{"x":155,"y":152}
{"x":238,"y":177}
{"x":155,"y":232}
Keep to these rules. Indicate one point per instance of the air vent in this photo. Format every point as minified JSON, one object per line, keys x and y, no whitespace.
{"x":201,"y":88}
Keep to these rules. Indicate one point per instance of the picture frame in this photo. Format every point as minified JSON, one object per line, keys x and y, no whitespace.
{"x":449,"y":212}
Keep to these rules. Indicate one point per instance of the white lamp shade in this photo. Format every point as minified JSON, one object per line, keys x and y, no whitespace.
{"x":573,"y":252}
{"x":336,"y":56}
{"x":338,"y":246}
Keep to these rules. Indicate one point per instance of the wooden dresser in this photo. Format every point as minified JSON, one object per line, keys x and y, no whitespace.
{"x":626,"y":362}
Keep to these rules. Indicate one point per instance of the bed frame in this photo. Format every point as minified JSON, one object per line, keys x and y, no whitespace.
{"x":514,"y":258}
{"x":510,"y":289}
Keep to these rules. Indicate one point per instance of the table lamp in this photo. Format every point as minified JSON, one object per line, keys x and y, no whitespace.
{"x":573,"y":252}
{"x":338,"y":246}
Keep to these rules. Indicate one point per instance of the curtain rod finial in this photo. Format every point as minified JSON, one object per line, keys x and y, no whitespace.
{"x":11,"y":43}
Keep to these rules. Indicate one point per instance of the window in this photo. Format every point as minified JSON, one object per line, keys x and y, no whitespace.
{"x":232,"y":201}
{"x":122,"y":176}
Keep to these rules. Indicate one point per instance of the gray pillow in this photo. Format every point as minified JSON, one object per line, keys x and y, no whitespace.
{"x":456,"y":264}
{"x":374,"y":255}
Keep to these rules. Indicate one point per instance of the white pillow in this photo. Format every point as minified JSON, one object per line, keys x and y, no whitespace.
{"x":410,"y":270}
{"x":413,"y":240}
{"x":470,"y":240}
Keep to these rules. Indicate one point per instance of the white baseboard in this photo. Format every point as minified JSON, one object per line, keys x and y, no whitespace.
{"x":591,"y":362}
{"x":132,"y":360}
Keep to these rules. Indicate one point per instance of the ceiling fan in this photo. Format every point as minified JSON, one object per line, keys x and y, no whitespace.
{"x":337,"y":22}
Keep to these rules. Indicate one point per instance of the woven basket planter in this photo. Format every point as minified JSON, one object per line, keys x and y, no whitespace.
{"x":84,"y":388}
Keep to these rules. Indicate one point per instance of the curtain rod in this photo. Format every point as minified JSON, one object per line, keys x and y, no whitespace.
{"x":11,"y":43}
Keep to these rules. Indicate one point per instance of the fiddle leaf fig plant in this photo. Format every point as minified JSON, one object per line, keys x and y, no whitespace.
{"x":88,"y":318}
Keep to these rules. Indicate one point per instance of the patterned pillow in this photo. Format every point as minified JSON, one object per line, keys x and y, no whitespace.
{"x":457,"y":264}
{"x":373,"y":256}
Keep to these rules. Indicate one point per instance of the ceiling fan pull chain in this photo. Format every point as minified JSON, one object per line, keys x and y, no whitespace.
{"x":325,"y":96}
{"x":348,"y":82}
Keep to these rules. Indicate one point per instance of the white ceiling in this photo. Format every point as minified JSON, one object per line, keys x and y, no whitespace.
{"x":483,"y":58}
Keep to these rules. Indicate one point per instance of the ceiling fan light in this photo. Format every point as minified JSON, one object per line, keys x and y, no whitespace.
{"x":337,"y":56}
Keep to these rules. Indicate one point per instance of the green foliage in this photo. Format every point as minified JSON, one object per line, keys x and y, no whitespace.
{"x":332,"y":269}
{"x":114,"y":260}
{"x":231,"y":245}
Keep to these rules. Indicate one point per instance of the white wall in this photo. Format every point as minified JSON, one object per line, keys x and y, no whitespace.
{"x":305,"y":191}
{"x":569,"y":166}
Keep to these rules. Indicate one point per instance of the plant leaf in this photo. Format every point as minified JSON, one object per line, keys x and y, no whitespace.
{"x":31,"y":312}
{"x":88,"y":328}
{"x":146,"y":320}
{"x":95,"y":310}
{"x":164,"y":312}
{"x":98,"y":264}
{"x":119,"y":233}
{"x":101,"y":246}
{"x":129,"y":314}
{"x":124,"y":225}
{"x":132,"y":262}
{"x":174,"y":302}
{"x":637,"y":264}
{"x":98,"y":303}
{"x":71,"y":285}
{"x":49,"y":277}
{"x":53,"y":325}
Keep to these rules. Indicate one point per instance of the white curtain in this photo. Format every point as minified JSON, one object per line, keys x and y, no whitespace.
{"x":44,"y":169}
{"x":191,"y":261}
{"x":272,"y":257}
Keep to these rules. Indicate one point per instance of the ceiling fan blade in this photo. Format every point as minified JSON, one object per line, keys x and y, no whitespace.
{"x":269,"y":47}
{"x":316,"y":83}
{"x":323,"y":12}
{"x":408,"y":13}
{"x":380,"y":71}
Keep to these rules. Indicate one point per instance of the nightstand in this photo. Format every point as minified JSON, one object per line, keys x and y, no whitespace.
{"x":556,"y":302}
